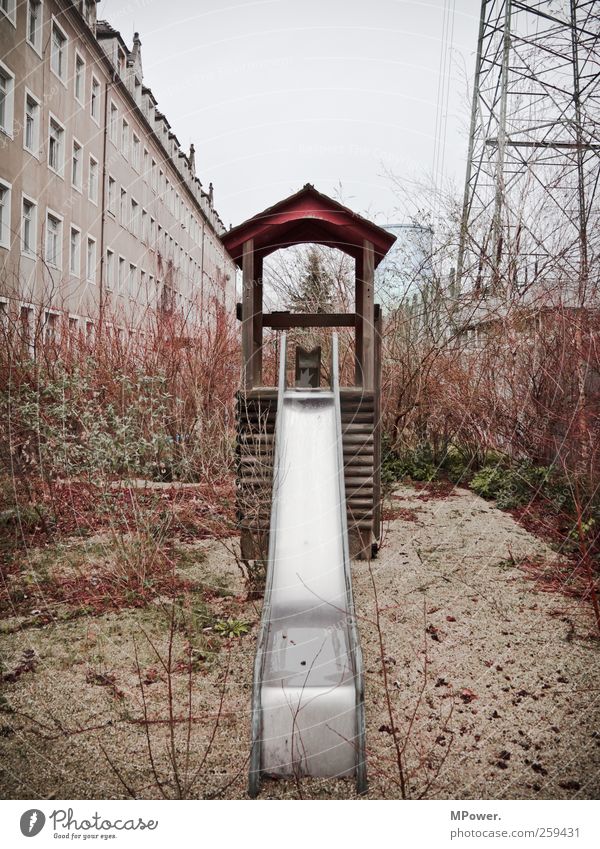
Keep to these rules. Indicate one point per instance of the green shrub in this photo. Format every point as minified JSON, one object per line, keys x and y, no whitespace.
{"x":415,"y":464}
{"x":516,"y":485}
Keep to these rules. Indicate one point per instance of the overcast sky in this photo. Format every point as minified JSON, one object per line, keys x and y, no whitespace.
{"x":278,"y":93}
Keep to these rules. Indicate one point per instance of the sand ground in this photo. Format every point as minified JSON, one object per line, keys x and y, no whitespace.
{"x":494,"y":683}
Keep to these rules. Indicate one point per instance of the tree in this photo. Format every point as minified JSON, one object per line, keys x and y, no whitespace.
{"x":315,"y":291}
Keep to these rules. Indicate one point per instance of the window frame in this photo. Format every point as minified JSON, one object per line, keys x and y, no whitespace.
{"x":123,"y":208}
{"x":11,"y":13}
{"x":92,"y":160}
{"x":55,"y":24}
{"x":121,"y":285}
{"x":136,"y":145}
{"x":29,"y":95}
{"x":131,"y":278}
{"x":25,"y":198}
{"x":113,"y":136}
{"x":35,"y":45}
{"x":125,"y":135}
{"x":95,"y":118}
{"x":91,"y":240}
{"x":134,"y":212}
{"x":52,"y":213}
{"x":52,"y":118}
{"x":110,"y":267}
{"x":9,"y":102}
{"x":76,"y":229}
{"x":80,"y":100}
{"x":110,"y":181}
{"x":5,"y":243}
{"x":77,"y":187}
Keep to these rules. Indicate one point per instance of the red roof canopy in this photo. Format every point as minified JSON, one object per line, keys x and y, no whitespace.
{"x":307,"y":216}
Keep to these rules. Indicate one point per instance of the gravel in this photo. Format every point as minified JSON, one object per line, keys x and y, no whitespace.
{"x":494,"y":683}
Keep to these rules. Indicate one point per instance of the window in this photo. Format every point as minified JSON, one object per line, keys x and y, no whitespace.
{"x":56,"y":146}
{"x":8,"y":8}
{"x":76,"y":165}
{"x":26,"y":327}
{"x":125,"y":138}
{"x":89,"y":331}
{"x":7,"y":89}
{"x":132,"y":279}
{"x":5,"y":193}
{"x":121,"y":274}
{"x":73,"y":325}
{"x":95,"y":100}
{"x":123,"y":209}
{"x":79,"y":78}
{"x":144,"y":226}
{"x":111,"y":195}
{"x":135,"y":153}
{"x":31,"y":136}
{"x":146,"y":160}
{"x":152,"y":231}
{"x":28,"y":226}
{"x":75,"y":251}
{"x":90,"y":261}
{"x":58,"y":52}
{"x":53,"y":240}
{"x":50,"y":326}
{"x":113,"y":123}
{"x":133,"y":221}
{"x":110,"y":270}
{"x":34,"y":24}
{"x":154,"y":172}
{"x":93,"y":180}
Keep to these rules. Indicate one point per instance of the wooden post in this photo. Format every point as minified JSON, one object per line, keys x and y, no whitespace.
{"x":358,"y":337}
{"x":377,"y":431}
{"x":257,"y":323}
{"x":247,"y":313}
{"x":368,"y":316}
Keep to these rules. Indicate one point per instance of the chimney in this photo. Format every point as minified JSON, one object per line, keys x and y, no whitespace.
{"x":210,"y":193}
{"x":192,"y":160}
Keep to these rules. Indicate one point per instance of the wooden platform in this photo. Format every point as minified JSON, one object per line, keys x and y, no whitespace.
{"x":256,"y":411}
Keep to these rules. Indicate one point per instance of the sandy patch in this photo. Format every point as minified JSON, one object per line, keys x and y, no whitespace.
{"x":497,"y":681}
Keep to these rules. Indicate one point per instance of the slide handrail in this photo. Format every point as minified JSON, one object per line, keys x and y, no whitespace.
{"x":255,"y":751}
{"x":356,"y":652}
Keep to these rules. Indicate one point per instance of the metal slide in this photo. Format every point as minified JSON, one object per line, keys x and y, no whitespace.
{"x":307,"y":700}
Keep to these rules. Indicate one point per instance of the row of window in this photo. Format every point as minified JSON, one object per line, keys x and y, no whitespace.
{"x":53,"y":241}
{"x":129,"y":143}
{"x":50,"y":324}
{"x":53,"y":325}
{"x":31,"y":126}
{"x":124,"y":275}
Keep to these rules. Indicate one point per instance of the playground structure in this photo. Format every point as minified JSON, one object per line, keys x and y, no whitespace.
{"x":308,"y":498}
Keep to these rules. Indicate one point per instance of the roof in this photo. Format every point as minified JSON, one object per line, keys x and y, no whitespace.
{"x":106,"y":30}
{"x":308,"y":216}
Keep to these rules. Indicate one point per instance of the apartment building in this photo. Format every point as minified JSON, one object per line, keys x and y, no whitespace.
{"x":102,"y":215}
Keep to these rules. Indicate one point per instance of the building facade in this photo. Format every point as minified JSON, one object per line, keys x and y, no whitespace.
{"x":103,"y":220}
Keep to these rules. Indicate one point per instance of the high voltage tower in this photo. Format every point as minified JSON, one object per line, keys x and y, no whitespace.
{"x":531,"y":212}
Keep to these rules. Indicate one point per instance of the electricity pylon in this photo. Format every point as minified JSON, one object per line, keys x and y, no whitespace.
{"x":531,"y":209}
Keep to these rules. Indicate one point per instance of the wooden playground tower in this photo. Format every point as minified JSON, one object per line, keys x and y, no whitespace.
{"x":309,"y":217}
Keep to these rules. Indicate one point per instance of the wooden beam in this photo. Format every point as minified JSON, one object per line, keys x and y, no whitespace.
{"x":257,"y":323}
{"x":368,"y":316}
{"x":247,"y":313}
{"x":285,"y":320}
{"x":358,"y":302}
